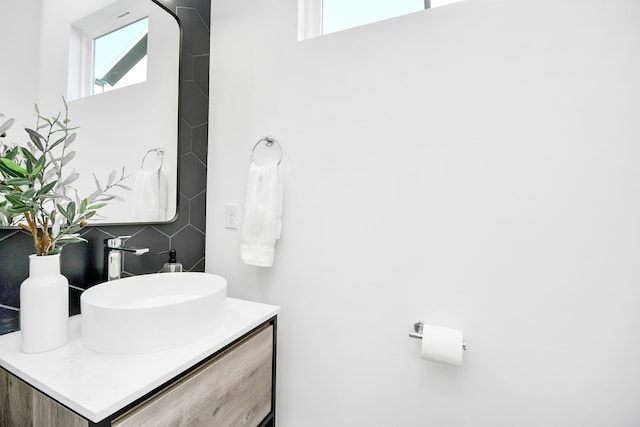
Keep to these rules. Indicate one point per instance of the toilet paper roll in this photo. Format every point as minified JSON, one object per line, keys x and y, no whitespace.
{"x":444,"y":345}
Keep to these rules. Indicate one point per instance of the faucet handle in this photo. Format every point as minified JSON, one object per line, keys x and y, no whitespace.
{"x":115,"y":242}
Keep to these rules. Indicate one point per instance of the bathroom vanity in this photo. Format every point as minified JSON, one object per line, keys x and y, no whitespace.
{"x":224,"y":379}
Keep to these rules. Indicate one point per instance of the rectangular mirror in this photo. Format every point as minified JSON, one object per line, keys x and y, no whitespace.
{"x":122,"y":89}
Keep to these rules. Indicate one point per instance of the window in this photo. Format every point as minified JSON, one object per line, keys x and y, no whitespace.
{"x":342,"y":14}
{"x":319,"y":17}
{"x":120,"y":57}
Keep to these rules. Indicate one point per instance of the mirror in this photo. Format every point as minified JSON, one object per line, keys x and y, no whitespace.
{"x":132,"y":124}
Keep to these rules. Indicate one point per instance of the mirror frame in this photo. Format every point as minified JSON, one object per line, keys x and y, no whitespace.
{"x":179,"y":133}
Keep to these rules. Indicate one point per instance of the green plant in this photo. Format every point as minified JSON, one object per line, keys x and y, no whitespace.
{"x":38,"y":193}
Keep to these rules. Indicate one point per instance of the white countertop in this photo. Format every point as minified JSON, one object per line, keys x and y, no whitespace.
{"x":96,"y":385}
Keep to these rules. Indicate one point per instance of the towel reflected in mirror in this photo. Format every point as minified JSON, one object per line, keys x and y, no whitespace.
{"x":150,"y":190}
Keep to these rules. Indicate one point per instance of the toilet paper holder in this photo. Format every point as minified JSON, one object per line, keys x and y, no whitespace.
{"x":418,"y":327}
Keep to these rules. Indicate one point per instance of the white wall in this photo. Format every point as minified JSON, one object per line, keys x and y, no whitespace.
{"x":472,"y":166}
{"x":19,"y":55}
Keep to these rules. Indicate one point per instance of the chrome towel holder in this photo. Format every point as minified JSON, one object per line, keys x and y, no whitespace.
{"x":268,"y":141}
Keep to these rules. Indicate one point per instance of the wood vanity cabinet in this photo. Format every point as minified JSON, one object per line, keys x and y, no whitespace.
{"x":23,"y":405}
{"x":234,"y":387}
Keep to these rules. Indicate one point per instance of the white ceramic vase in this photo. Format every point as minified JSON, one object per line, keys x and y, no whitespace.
{"x":44,"y":305}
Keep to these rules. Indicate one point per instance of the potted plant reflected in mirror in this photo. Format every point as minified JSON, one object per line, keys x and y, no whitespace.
{"x":37,"y":195}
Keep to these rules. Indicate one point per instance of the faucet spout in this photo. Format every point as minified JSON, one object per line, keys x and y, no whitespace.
{"x":113,"y":258}
{"x":136,"y":251}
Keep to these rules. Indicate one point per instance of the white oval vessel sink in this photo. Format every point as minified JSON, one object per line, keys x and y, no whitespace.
{"x":152,"y":312}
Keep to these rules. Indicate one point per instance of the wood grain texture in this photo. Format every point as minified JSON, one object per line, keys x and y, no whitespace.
{"x":233,"y":390}
{"x":15,"y":401}
{"x":23,"y":406}
{"x":47,"y":412}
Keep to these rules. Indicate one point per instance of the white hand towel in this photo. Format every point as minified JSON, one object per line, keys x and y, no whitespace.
{"x":150,"y":195}
{"x":262,"y":222}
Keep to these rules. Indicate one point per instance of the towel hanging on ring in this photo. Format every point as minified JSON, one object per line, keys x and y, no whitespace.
{"x":262,"y":223}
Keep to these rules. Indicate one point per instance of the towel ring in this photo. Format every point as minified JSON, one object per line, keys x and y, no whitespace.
{"x":268,"y":141}
{"x":159,"y":152}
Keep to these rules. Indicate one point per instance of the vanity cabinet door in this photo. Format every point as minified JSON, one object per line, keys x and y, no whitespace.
{"x":23,"y":406}
{"x":233,"y":389}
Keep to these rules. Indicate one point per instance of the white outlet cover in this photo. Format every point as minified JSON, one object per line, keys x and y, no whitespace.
{"x":231,"y":216}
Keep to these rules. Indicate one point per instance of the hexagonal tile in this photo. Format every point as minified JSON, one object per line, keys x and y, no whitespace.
{"x":7,"y":233}
{"x":199,"y":266}
{"x":186,"y":136}
{"x":194,"y":103}
{"x":189,"y":246}
{"x":197,"y":38}
{"x":14,"y":268}
{"x":204,"y":10}
{"x":200,"y":142}
{"x":182,"y":219}
{"x":193,"y":176}
{"x":83,"y":263}
{"x":185,"y":3}
{"x":122,"y":230}
{"x":9,"y":320}
{"x":201,"y":72}
{"x":152,"y":261}
{"x":198,"y":211}
{"x":186,"y":64}
{"x":74,"y":301}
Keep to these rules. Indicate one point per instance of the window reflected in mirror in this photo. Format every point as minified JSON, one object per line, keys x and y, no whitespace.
{"x":120,"y":57}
